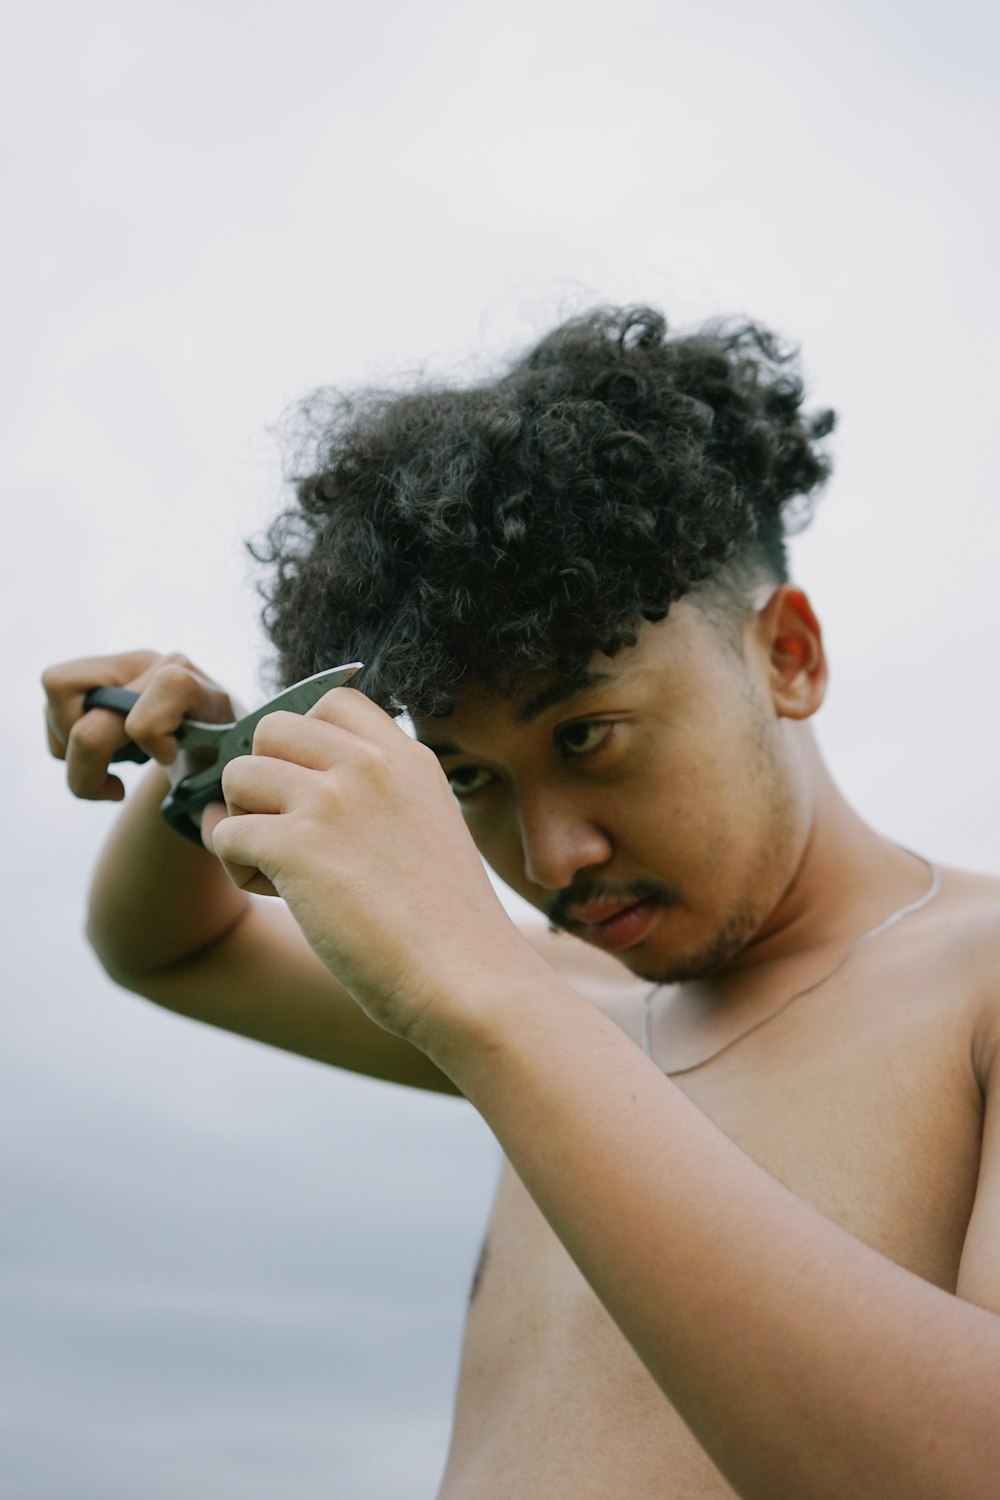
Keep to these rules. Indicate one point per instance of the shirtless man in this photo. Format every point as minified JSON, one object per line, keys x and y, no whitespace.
{"x":749,"y":1238}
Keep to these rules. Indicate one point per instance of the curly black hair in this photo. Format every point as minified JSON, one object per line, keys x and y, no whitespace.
{"x":515,"y":528}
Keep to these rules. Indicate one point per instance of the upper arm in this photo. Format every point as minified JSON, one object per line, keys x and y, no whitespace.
{"x":263,"y":981}
{"x":979,"y":1269}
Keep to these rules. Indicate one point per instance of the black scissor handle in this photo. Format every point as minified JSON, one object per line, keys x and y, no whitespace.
{"x":119,"y":701}
{"x":183,"y":800}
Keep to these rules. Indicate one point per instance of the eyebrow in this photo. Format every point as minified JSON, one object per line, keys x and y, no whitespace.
{"x":531,"y":708}
{"x":558,"y":692}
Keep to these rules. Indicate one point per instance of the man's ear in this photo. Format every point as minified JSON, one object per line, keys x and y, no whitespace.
{"x":789,"y":634}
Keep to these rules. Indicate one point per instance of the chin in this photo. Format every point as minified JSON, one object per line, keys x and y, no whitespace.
{"x":705,"y":961}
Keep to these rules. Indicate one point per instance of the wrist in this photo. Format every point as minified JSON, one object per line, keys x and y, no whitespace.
{"x":507,"y":999}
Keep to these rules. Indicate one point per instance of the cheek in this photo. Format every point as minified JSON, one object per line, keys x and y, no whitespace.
{"x":714,"y":808}
{"x":682,"y":791}
{"x":751,"y":821}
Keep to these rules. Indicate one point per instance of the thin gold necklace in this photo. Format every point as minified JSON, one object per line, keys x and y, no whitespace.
{"x":873,"y":932}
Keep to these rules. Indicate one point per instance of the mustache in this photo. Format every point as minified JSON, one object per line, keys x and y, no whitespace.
{"x":586,"y":891}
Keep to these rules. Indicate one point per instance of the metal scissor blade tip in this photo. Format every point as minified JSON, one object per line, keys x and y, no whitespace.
{"x":302,"y":695}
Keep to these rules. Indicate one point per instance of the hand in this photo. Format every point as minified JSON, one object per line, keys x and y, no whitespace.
{"x":353,"y":823}
{"x":170,"y":689}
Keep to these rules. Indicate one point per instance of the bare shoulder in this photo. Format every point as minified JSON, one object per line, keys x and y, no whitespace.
{"x":971,"y":903}
{"x":964,"y":931}
{"x":968,"y":914}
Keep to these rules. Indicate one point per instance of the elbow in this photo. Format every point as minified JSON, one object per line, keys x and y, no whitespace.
{"x":108,"y":952}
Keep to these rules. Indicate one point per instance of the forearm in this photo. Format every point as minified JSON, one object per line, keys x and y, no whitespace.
{"x":807,"y":1365}
{"x":155,"y":897}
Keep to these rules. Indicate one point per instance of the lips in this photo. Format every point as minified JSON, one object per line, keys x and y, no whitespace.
{"x":593,"y":912}
{"x":615,"y":925}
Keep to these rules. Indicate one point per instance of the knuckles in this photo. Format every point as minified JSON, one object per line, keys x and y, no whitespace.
{"x":337,"y":705}
{"x":272,"y":730}
{"x":234,"y":776}
{"x":424,"y":756}
{"x":89,"y":736}
{"x":175,"y":674}
{"x":377,"y":763}
{"x":54,"y":680}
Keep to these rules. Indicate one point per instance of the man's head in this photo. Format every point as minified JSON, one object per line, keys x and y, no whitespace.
{"x":514,"y":529}
{"x":574,"y":578}
{"x":660,"y":808}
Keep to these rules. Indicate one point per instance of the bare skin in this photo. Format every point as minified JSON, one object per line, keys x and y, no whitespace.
{"x":870,"y":1111}
{"x":777,"y":1275}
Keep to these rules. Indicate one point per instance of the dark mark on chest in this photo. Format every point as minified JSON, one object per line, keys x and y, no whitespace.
{"x":477,"y":1274}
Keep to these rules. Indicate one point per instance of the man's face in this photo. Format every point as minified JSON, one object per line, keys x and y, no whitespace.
{"x":658,"y":813}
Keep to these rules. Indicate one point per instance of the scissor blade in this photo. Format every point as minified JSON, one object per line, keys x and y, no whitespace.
{"x":297,"y":699}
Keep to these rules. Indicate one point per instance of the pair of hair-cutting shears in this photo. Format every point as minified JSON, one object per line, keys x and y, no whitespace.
{"x":206,"y":749}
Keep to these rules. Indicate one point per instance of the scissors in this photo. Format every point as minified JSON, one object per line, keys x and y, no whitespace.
{"x":206,"y":749}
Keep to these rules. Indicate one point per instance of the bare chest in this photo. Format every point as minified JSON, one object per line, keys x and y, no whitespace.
{"x":871,"y":1114}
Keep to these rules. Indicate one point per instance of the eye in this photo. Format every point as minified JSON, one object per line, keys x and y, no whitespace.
{"x":583,"y":738}
{"x":465,"y":781}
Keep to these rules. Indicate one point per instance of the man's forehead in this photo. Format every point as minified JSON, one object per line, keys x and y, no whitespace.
{"x":521,"y":706}
{"x":665,"y":655}
{"x":656,"y":646}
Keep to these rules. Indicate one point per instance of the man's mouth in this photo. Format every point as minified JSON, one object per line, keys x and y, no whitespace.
{"x":614,"y":925}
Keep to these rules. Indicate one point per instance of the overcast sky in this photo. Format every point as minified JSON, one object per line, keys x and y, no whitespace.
{"x":231,"y":1273}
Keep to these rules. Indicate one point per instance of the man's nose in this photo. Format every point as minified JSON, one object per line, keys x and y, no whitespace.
{"x":558,"y":842}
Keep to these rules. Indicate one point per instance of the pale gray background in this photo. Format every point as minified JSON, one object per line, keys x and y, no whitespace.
{"x":232,"y":1274}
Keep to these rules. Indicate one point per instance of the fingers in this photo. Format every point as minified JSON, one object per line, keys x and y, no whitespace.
{"x":304,"y":784}
{"x":66,"y":683}
{"x":263,"y":784}
{"x":298,"y":779}
{"x":92,"y":742}
{"x":309,"y":741}
{"x":170,"y":688}
{"x":87,"y":741}
{"x":215,"y":819}
{"x":237,"y":836}
{"x":343,"y":732}
{"x":293,"y":768}
{"x":351,"y":710}
{"x":176,"y":690}
{"x":247,"y":877}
